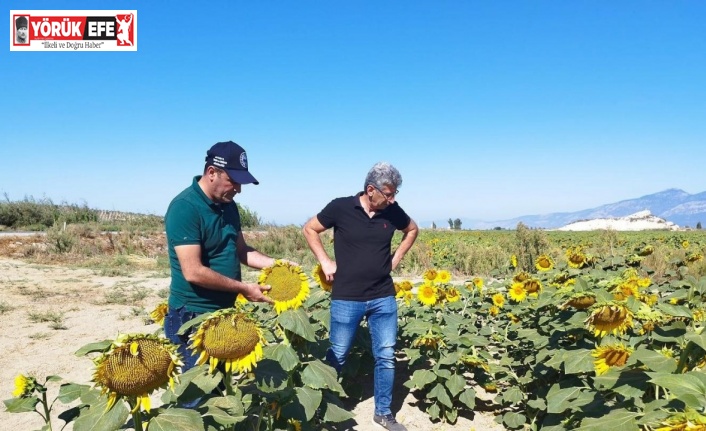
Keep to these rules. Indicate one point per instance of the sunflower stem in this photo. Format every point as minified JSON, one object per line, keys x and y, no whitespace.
{"x":228,"y":382}
{"x":47,"y":418}
{"x":137,"y":418}
{"x":259,"y":417}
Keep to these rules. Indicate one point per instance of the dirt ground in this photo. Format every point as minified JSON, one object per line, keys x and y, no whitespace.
{"x":48,"y":312}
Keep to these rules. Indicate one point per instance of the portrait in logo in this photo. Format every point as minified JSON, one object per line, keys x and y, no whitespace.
{"x":243,"y":160}
{"x":21,"y":30}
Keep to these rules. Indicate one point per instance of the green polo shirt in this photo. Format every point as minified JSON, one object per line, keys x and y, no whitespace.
{"x":193,"y":219}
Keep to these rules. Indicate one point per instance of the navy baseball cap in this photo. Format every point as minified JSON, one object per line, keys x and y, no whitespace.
{"x":231,"y":157}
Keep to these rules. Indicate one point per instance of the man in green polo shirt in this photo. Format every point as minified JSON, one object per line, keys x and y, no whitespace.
{"x":206,"y":245}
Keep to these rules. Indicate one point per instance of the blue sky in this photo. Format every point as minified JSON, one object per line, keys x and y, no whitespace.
{"x":490,"y":110}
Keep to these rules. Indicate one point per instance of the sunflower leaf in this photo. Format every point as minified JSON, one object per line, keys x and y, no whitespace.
{"x":670,"y":334}
{"x":230,"y":403}
{"x":451,"y":415}
{"x":513,"y":395}
{"x":194,"y":383}
{"x":618,"y":420}
{"x":578,"y":361}
{"x":439,"y":392}
{"x":698,"y":339}
{"x":654,"y":360}
{"x":334,"y":411}
{"x":176,"y":420}
{"x":270,"y":376}
{"x":99,"y":346}
{"x":284,"y":354}
{"x":514,"y":420}
{"x":309,"y":399}
{"x":468,"y":398}
{"x":689,"y":387}
{"x":222,"y":417}
{"x":323,"y":316}
{"x":655,"y":411}
{"x":298,"y":322}
{"x":70,"y":414}
{"x":420,"y":378}
{"x":21,"y":405}
{"x":674,"y":310}
{"x":97,"y":418}
{"x":71,"y":391}
{"x":184,"y":329}
{"x":455,"y":384}
{"x":559,"y":400}
{"x":434,"y":411}
{"x":318,"y":375}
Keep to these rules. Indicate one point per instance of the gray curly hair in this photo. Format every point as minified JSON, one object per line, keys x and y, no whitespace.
{"x":382,"y":174}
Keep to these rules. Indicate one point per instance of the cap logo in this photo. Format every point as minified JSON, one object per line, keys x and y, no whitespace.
{"x":243,"y":160}
{"x":220,"y":161}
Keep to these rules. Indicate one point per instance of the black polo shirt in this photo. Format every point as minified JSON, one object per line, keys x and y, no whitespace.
{"x":363,"y":247}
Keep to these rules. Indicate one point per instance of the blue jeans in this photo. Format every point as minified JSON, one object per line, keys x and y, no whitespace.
{"x":382,"y":321}
{"x":172,"y":322}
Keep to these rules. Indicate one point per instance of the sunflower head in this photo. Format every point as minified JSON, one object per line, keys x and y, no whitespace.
{"x":408,"y":297}
{"x":498,"y":300}
{"x":581,"y":301}
{"x":430,"y":341}
{"x":478,"y":283}
{"x":646,"y":250}
{"x":429,"y":275}
{"x":24,"y":386}
{"x":289,"y":285}
{"x":494,"y":310}
{"x":513,"y":261}
{"x":576,"y":258}
{"x":644,"y":282}
{"x":625,"y":289}
{"x":520,"y":277}
{"x":401,"y":287}
{"x":647,"y":327}
{"x":442,"y":277}
{"x":229,"y":336}
{"x":533,"y":285}
{"x":427,"y":294}
{"x":689,"y":420}
{"x":612,"y":355}
{"x":159,"y":312}
{"x":490,"y":387}
{"x":134,"y":366}
{"x":608,"y":318}
{"x":543,"y":263}
{"x":320,"y":277}
{"x":452,"y":294}
{"x":473,"y":361}
{"x":517,"y":292}
{"x":694,"y":257}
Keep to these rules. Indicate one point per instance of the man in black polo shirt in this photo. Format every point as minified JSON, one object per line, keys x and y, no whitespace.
{"x":363,"y":226}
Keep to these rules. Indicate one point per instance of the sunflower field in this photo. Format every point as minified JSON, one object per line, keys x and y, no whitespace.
{"x":548,"y":330}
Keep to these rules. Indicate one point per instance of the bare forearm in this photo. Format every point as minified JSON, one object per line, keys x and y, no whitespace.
{"x":317,"y":247}
{"x":407,"y":241}
{"x":255,"y":259}
{"x":209,"y":279}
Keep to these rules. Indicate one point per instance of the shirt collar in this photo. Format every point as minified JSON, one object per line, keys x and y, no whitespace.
{"x":202,"y":195}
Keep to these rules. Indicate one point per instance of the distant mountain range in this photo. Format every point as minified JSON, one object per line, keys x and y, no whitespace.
{"x":674,"y":205}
